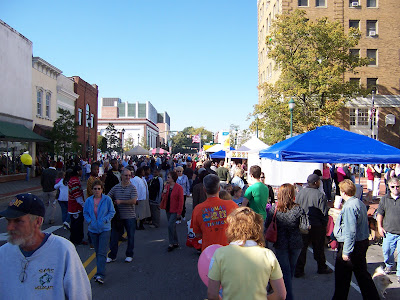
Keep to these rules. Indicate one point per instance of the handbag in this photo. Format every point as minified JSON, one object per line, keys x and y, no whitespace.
{"x":271,"y":234}
{"x":304,"y":225}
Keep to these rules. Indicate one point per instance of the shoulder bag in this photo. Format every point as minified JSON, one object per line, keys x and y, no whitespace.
{"x":304,"y":225}
{"x":272,"y":232}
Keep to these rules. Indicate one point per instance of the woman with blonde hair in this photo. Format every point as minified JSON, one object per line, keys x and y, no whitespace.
{"x":289,"y":241}
{"x":245,"y":261}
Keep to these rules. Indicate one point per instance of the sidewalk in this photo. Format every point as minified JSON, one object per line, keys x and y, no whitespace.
{"x":13,"y":188}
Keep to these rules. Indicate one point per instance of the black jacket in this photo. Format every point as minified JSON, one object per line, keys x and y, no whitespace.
{"x":48,"y":180}
{"x":111,"y":180}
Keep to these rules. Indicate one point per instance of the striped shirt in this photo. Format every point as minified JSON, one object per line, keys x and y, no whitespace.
{"x":118,"y":192}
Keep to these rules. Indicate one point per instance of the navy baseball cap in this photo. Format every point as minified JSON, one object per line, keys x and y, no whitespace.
{"x":22,"y":205}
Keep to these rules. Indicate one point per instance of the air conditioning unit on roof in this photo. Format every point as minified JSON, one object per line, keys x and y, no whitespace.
{"x":372,"y":33}
{"x":355,"y":4}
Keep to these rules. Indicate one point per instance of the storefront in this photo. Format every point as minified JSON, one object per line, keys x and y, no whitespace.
{"x":15,"y":140}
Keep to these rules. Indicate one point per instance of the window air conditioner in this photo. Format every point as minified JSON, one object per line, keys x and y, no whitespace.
{"x":372,"y":33}
{"x":354,"y":4}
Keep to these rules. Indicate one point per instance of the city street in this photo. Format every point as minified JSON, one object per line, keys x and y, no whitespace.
{"x":156,"y":274}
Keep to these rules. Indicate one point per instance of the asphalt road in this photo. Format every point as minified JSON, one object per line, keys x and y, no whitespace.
{"x":157,"y":274}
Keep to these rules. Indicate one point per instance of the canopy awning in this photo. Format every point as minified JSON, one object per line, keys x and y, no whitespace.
{"x":334,"y":145}
{"x":18,"y":133}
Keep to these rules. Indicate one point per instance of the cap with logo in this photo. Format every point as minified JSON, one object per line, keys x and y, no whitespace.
{"x":22,"y":205}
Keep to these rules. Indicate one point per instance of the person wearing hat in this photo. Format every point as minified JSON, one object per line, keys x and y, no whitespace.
{"x":38,"y":265}
{"x":314,"y":203}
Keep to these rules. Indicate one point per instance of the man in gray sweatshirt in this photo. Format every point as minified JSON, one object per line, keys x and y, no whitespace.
{"x":44,"y":265}
{"x":314,"y":203}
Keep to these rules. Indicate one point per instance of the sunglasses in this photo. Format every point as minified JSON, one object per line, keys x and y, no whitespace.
{"x":96,"y":189}
{"x":395,"y":186}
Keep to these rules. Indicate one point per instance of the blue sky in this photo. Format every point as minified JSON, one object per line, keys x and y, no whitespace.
{"x":197,"y":60}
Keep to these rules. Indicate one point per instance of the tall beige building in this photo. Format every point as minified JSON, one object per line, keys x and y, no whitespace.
{"x":380,"y":40}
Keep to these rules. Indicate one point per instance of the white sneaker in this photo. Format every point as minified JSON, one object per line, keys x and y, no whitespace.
{"x":109,"y":260}
{"x":178,"y":222}
{"x":128,"y":259}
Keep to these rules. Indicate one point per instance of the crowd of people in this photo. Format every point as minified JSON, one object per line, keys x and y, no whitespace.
{"x":232,"y":206}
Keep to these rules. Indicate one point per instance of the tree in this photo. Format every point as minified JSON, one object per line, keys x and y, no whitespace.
{"x":129,"y":143}
{"x":113,"y":141}
{"x":312,"y":57}
{"x":182,"y":141}
{"x":102,"y":143}
{"x":64,"y":134}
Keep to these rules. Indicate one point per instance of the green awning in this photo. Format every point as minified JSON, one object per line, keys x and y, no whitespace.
{"x":18,"y":133}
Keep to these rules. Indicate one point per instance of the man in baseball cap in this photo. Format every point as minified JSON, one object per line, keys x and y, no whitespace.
{"x":314,"y":203}
{"x":46,"y":265}
{"x":22,"y":205}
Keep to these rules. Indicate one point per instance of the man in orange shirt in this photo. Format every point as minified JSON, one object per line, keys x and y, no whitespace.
{"x":209,"y":218}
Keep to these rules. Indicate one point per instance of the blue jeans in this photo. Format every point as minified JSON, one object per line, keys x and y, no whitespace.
{"x":287,"y":259}
{"x":172,"y":235}
{"x":327,"y":185}
{"x":100,"y":242}
{"x":64,"y":211}
{"x":390,"y":242}
{"x":130,"y":227}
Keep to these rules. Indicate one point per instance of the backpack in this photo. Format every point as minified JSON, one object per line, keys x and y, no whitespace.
{"x":154,"y":188}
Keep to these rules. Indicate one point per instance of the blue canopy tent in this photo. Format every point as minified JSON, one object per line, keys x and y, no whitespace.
{"x":220,"y":154}
{"x":334,"y":145}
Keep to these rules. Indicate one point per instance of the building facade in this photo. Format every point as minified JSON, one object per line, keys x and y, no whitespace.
{"x":137,"y":121}
{"x":16,"y":120}
{"x":66,"y":97}
{"x":377,"y":21}
{"x":44,"y":95}
{"x":86,"y":108}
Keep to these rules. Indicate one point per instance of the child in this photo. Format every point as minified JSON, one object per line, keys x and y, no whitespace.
{"x":224,"y":195}
{"x":237,"y":195}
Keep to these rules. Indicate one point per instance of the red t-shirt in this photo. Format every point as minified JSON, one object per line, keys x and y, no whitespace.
{"x":209,"y":219}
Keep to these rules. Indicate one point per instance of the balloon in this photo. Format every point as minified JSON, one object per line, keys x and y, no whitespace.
{"x":26,"y":159}
{"x":203,"y":264}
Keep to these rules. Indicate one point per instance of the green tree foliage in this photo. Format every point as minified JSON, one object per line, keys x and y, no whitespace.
{"x":182,"y":141}
{"x":129,"y":143}
{"x":64,"y":134}
{"x":102,"y":143}
{"x":113,"y":140}
{"x":312,"y":57}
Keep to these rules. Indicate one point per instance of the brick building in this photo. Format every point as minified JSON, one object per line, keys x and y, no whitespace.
{"x":377,"y":21}
{"x":86,"y":116}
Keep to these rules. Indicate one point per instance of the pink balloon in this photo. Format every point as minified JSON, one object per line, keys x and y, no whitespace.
{"x":203,"y":264}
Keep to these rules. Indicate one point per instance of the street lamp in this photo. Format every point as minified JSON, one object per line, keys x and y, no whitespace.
{"x":122,"y":141}
{"x":291,"y":107}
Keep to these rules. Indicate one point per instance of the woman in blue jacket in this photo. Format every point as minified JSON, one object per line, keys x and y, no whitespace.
{"x":98,"y":212}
